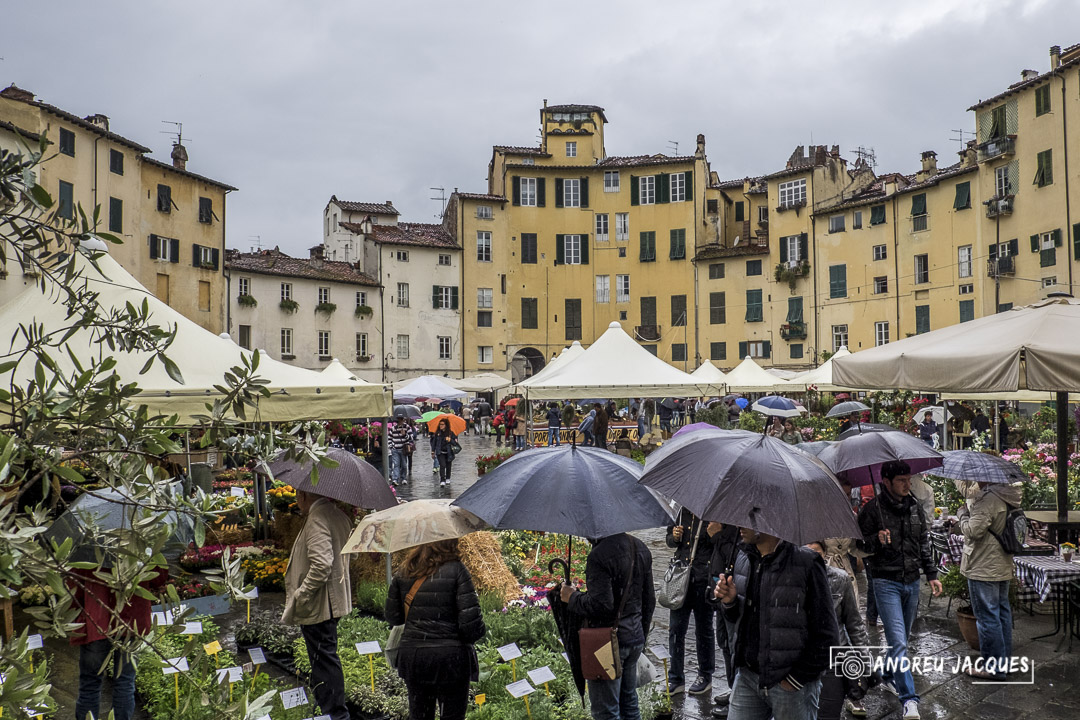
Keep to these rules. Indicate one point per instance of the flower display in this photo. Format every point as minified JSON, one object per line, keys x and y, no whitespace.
{"x":487,"y":463}
{"x":210,"y":555}
{"x":267,"y":571}
{"x":281,"y":496}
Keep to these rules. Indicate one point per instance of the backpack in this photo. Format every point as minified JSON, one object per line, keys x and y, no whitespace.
{"x":1015,"y":534}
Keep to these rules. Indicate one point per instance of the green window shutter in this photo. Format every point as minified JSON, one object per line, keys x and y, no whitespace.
{"x":678,"y":245}
{"x":922,"y":319}
{"x":1048,"y":257}
{"x":1076,"y":241}
{"x":541,"y":192}
{"x":783,"y":250}
{"x":584,"y":192}
{"x":436,"y":297}
{"x":739,"y":214}
{"x":454,"y":298}
{"x":1056,"y":234}
{"x":174,"y":250}
{"x":585,"y":248}
{"x":663,"y":188}
{"x":216,"y":258}
{"x":515,"y":183}
{"x":766,"y":349}
{"x":967,"y":310}
{"x":1014,"y":247}
{"x":689,"y":184}
{"x":918,"y":204}
{"x":993,"y":251}
{"x":154,"y":247}
{"x":963,"y":196}
{"x":877,"y":215}
{"x":837,"y":281}
{"x":796,"y":351}
{"x":196,"y":255}
{"x":116,"y":215}
{"x":558,"y":192}
{"x":560,"y":249}
{"x":794,"y":310}
{"x":634,"y":199}
{"x":753,"y":306}
{"x":1034,"y":243}
{"x":744,"y":350}
{"x":804,"y":247}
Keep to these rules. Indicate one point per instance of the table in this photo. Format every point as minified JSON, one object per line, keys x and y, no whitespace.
{"x":1048,"y":576}
{"x":1062,"y":530}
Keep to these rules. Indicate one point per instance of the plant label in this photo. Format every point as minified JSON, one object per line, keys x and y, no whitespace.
{"x":659,"y":652}
{"x":509,"y":652}
{"x":212,"y":648}
{"x":368,"y":648}
{"x":293,"y":698}
{"x":230,"y":674}
{"x":192,"y":628}
{"x":250,"y":594}
{"x":249,"y":667}
{"x":175,"y":665}
{"x":258,"y":657}
{"x":480,"y":699}
{"x":34,"y":642}
{"x":264,"y":717}
{"x":162,"y":618}
{"x":541,"y":675}
{"x":520,"y":689}
{"x":320,"y":717}
{"x":237,"y":492}
{"x":566,"y":657}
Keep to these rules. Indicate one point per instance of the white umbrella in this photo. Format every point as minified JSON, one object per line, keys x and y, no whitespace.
{"x":409,"y":524}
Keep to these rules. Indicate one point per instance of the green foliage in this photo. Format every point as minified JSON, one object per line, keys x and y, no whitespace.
{"x":751,"y":421}
{"x":955,"y":585}
{"x":371,"y":596}
{"x":363,"y":311}
{"x":716,"y":415}
{"x":638,"y":455}
{"x":528,"y":627}
{"x":289,"y":305}
{"x":945,"y":493}
{"x":267,"y":631}
{"x":490,"y":602}
{"x":326,"y":308}
{"x":247,"y":301}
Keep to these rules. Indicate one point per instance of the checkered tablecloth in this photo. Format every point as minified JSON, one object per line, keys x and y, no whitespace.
{"x":1045,"y":574}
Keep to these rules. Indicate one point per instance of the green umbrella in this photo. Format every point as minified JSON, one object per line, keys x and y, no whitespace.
{"x":429,"y":416}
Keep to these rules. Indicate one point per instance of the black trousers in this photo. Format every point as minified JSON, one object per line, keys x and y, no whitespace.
{"x":453,"y":701}
{"x":327,"y":679}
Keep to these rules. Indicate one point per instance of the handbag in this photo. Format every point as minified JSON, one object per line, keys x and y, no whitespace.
{"x":393,"y":642}
{"x":672,"y":593}
{"x":455,"y":447}
{"x":600,"y":646}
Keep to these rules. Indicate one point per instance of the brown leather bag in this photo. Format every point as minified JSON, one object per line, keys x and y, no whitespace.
{"x":600,"y":646}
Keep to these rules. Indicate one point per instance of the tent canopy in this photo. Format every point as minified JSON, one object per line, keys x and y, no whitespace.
{"x":821,"y":377}
{"x":482,"y":382}
{"x":568,"y":353}
{"x":427,"y":386}
{"x":339,"y":372}
{"x":709,"y":373}
{"x":615,"y":366}
{"x":748,"y":376}
{"x":202,"y":357}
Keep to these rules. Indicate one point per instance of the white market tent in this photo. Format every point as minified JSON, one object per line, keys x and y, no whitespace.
{"x":710,"y":373}
{"x":615,"y":366}
{"x":482,"y":382}
{"x":428,"y":386}
{"x":748,"y":376}
{"x":820,"y":377}
{"x":202,"y":357}
{"x":338,"y":371}
{"x":568,"y":353}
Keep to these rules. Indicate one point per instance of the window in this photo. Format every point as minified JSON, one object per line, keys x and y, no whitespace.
{"x":622,"y":288}
{"x":648,"y":310}
{"x":739,"y":211}
{"x":116,"y":215}
{"x":324,"y":344}
{"x":402,"y":347}
{"x":204,"y":296}
{"x":403,"y":294}
{"x":1042,"y":100}
{"x":1044,"y":175}
{"x":67,"y":142}
{"x":919,"y":219}
{"x":881,"y":285}
{"x":712,"y":206}
{"x":678,"y":352}
{"x":444,"y":259}
{"x":794,"y":310}
{"x":793,"y":193}
{"x":762,"y":214}
{"x":678,"y":310}
{"x":483,"y":246}
{"x":286,"y":343}
{"x":967,"y":310}
{"x":324,"y":295}
{"x":678,"y":245}
{"x":483,"y":212}
{"x":758,"y":348}
{"x":571,"y":193}
{"x":881,"y":252}
{"x":678,"y":187}
{"x":622,"y":252}
{"x":66,"y":208}
{"x":484,"y":318}
{"x":603,"y":288}
{"x":1048,"y":281}
{"x":922,"y":319}
{"x":116,"y":162}
{"x":622,"y":226}
{"x":962,"y":201}
{"x":648,"y":247}
{"x":162,"y":290}
{"x":163,"y":248}
{"x":572,"y":249}
{"x":837,"y":281}
{"x":647,"y":190}
{"x":922,"y":269}
{"x":717,"y":308}
{"x":1047,"y":243}
{"x":1002,"y":187}
{"x":611,"y":181}
{"x":998,"y":122}
{"x":528,"y":192}
{"x":836,"y":223}
{"x":716,"y":271}
{"x":1004,"y":307}
{"x":484,"y":297}
{"x":795,"y":351}
{"x":718,"y":351}
{"x":839,"y":337}
{"x":881,"y":333}
{"x":484,"y":355}
{"x":401,"y":255}
{"x":527,"y":161}
{"x":573,"y":319}
{"x":753,"y":306}
{"x":206,"y":210}
{"x":753,"y":267}
{"x":444,"y":347}
{"x":528,"y":248}
{"x":361,"y":298}
{"x":877,"y":215}
{"x":164,"y":198}
{"x":244,"y":286}
{"x":856,"y":220}
{"x":571,"y":148}
{"x":444,"y":297}
{"x":204,"y":257}
{"x":967,"y":289}
{"x":361,"y":346}
{"x":791,"y":249}
{"x":286,"y":291}
{"x":530,"y":316}
{"x":244,"y":332}
{"x":601,"y":227}
{"x":963,"y":261}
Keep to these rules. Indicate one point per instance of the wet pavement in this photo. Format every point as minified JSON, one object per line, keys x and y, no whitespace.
{"x":1054,"y":693}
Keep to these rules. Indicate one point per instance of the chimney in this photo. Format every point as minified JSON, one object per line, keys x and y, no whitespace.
{"x":1026,"y":75}
{"x":929,"y":166}
{"x":700,"y":152}
{"x":316,"y":253}
{"x":12,"y":92}
{"x":99,"y":120}
{"x":179,"y":156}
{"x":1055,"y":57}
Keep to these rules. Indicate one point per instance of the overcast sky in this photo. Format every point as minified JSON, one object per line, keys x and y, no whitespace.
{"x":293,"y":102}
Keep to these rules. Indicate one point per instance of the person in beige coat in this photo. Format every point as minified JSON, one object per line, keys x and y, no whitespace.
{"x":318,"y":594}
{"x":989,"y":570}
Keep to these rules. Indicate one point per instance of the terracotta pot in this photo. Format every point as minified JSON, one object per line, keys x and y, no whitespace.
{"x":1067,"y":556}
{"x":968,"y":628}
{"x":481,"y":471}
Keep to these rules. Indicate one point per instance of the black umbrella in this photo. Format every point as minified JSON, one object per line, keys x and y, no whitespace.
{"x":864,"y":428}
{"x":568,"y":624}
{"x":353,"y":481}
{"x":859,"y":458}
{"x":409,"y":411}
{"x":846,"y":408}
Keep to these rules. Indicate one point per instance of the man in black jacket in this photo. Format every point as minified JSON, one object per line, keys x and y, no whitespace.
{"x":607,"y":576}
{"x":725,"y":541}
{"x":690,"y":539}
{"x":896,"y":535}
{"x":781,"y":625}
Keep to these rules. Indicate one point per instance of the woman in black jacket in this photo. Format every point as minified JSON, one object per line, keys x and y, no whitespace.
{"x":441,"y":443}
{"x":434,"y":598}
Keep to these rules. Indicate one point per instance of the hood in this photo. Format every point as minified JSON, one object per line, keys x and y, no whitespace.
{"x":1011,"y":494}
{"x":592,"y":413}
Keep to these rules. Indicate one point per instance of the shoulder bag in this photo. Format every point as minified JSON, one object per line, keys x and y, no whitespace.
{"x":672,"y":593}
{"x":394,"y":641}
{"x":600,"y":646}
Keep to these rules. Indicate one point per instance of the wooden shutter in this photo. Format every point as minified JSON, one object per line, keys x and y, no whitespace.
{"x":174,"y":250}
{"x":783,"y":250}
{"x":1034,"y":243}
{"x":216,"y":258}
{"x":153,"y":247}
{"x":766,"y":349}
{"x":689,"y":184}
{"x":877,"y":215}
{"x":560,"y":249}
{"x":663,"y":187}
{"x":1076,"y":241}
{"x":744,"y":349}
{"x":436,"y":297}
{"x":454,"y":298}
{"x":804,"y":247}
{"x":963,"y":196}
{"x":541,"y":192}
{"x":584,"y":192}
{"x":634,"y":199}
{"x":1056,"y":234}
{"x":558,"y":192}
{"x":993,"y":251}
{"x":584,"y":248}
{"x":515,"y":183}
{"x":918,"y":204}
{"x":196,"y":255}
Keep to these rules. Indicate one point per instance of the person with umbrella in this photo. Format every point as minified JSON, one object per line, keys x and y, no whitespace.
{"x":791,"y":434}
{"x":776,"y":427}
{"x":896,"y":536}
{"x":928,"y":429}
{"x":725,"y":541}
{"x":398,"y":442}
{"x":442,"y":450}
{"x":553,"y":423}
{"x":318,"y":594}
{"x":600,"y":426}
{"x":693,"y":546}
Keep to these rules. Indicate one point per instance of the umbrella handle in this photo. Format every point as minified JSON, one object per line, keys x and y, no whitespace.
{"x":565,"y":565}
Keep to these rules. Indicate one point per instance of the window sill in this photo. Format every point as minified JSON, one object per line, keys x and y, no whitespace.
{"x":325,"y":358}
{"x":288,"y":357}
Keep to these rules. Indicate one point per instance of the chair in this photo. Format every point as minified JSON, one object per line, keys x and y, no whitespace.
{"x":1072,"y":610}
{"x":939,"y":548}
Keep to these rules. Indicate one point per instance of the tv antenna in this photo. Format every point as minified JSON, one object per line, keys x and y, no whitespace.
{"x":674,"y":144}
{"x":442,"y":200}
{"x":257,"y":245}
{"x":867,"y":155}
{"x":178,"y":133}
{"x":960,"y":137}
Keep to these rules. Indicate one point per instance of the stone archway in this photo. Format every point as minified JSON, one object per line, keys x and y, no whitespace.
{"x":526,"y":362}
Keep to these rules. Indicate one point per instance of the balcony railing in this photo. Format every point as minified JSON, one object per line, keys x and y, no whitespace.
{"x":997,"y":147}
{"x":793,"y":331}
{"x":647,"y":333}
{"x":997,"y":207}
{"x":995,"y":267}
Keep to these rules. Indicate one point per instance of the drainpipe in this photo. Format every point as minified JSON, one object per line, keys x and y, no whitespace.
{"x":224,"y":271}
{"x":96,"y":141}
{"x":814,"y":269}
{"x":1068,"y":210}
{"x":896,"y":263}
{"x":382,"y":319}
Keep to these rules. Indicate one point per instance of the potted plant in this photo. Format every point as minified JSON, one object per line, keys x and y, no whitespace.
{"x":247,"y":301}
{"x":1067,"y":550}
{"x":289,"y":305}
{"x":363,"y":311}
{"x":326,"y":308}
{"x":955,"y":586}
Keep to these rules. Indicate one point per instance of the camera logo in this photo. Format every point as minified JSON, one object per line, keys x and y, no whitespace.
{"x":852,"y":661}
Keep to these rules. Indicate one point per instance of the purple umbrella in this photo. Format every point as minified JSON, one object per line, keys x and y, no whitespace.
{"x":859,"y":458}
{"x":692,"y":427}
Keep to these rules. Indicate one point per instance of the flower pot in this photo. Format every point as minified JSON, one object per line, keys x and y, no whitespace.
{"x":664,"y":714}
{"x":481,"y":471}
{"x":968,"y":628}
{"x":1067,"y":556}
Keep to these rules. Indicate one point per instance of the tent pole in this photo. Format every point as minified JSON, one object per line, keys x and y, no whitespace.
{"x":389,"y":570}
{"x":385,"y":450}
{"x":1062,"y":463}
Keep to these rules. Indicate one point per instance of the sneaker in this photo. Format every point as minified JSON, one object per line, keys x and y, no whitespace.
{"x":677,"y":688}
{"x":720,"y":711}
{"x":911,"y":710}
{"x":702,"y":685}
{"x":888,"y":685}
{"x":723,"y":698}
{"x":855,"y":707}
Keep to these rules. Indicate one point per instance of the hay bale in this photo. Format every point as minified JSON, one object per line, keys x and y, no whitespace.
{"x":481,"y":554}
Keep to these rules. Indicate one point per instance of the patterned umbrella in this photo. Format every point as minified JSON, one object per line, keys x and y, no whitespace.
{"x":979,"y":467}
{"x":409,"y":524}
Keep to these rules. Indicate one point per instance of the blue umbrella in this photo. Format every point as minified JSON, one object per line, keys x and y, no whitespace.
{"x":742,"y":403}
{"x":778,"y":406}
{"x":455,"y":404}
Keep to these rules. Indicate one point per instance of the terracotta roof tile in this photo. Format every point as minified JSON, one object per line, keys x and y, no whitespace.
{"x":1024,"y":84}
{"x":365,"y":207}
{"x":5,"y":125}
{"x":414,"y":234}
{"x":481,"y":196}
{"x":187,"y":173}
{"x":275,"y":262}
{"x":571,"y":108}
{"x":15,"y":93}
{"x":518,"y":150}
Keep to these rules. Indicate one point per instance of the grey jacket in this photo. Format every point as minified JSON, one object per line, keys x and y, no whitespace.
{"x":848,"y":616}
{"x":984,"y":559}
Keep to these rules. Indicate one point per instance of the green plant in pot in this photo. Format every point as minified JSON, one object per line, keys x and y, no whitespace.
{"x":289,"y":305}
{"x":955,"y":586}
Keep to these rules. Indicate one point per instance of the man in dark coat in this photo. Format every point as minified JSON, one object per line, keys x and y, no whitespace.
{"x":682,"y":536}
{"x":600,"y":426}
{"x":725,"y":542}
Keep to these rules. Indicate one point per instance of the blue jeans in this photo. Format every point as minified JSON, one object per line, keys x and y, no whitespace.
{"x":993,"y":616}
{"x":398,"y":464}
{"x":617,"y":699}
{"x":897,"y":604}
{"x":704,"y":639}
{"x":553,"y":436}
{"x":750,"y":702}
{"x":91,"y":657}
{"x":640,"y":427}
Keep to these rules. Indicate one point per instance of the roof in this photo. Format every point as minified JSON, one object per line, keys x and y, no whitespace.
{"x":716,"y":252}
{"x":611,"y":162}
{"x":187,"y":173}
{"x":275,"y":262}
{"x":29,"y":135}
{"x":875,"y":192}
{"x":726,"y":184}
{"x":386,"y":208}
{"x":481,"y":196}
{"x":1025,"y":84}
{"x":576,"y":108}
{"x":518,"y":150}
{"x":413,"y":234}
{"x":15,"y":93}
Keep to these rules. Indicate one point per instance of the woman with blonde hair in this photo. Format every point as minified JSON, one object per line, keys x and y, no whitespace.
{"x":434,"y":598}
